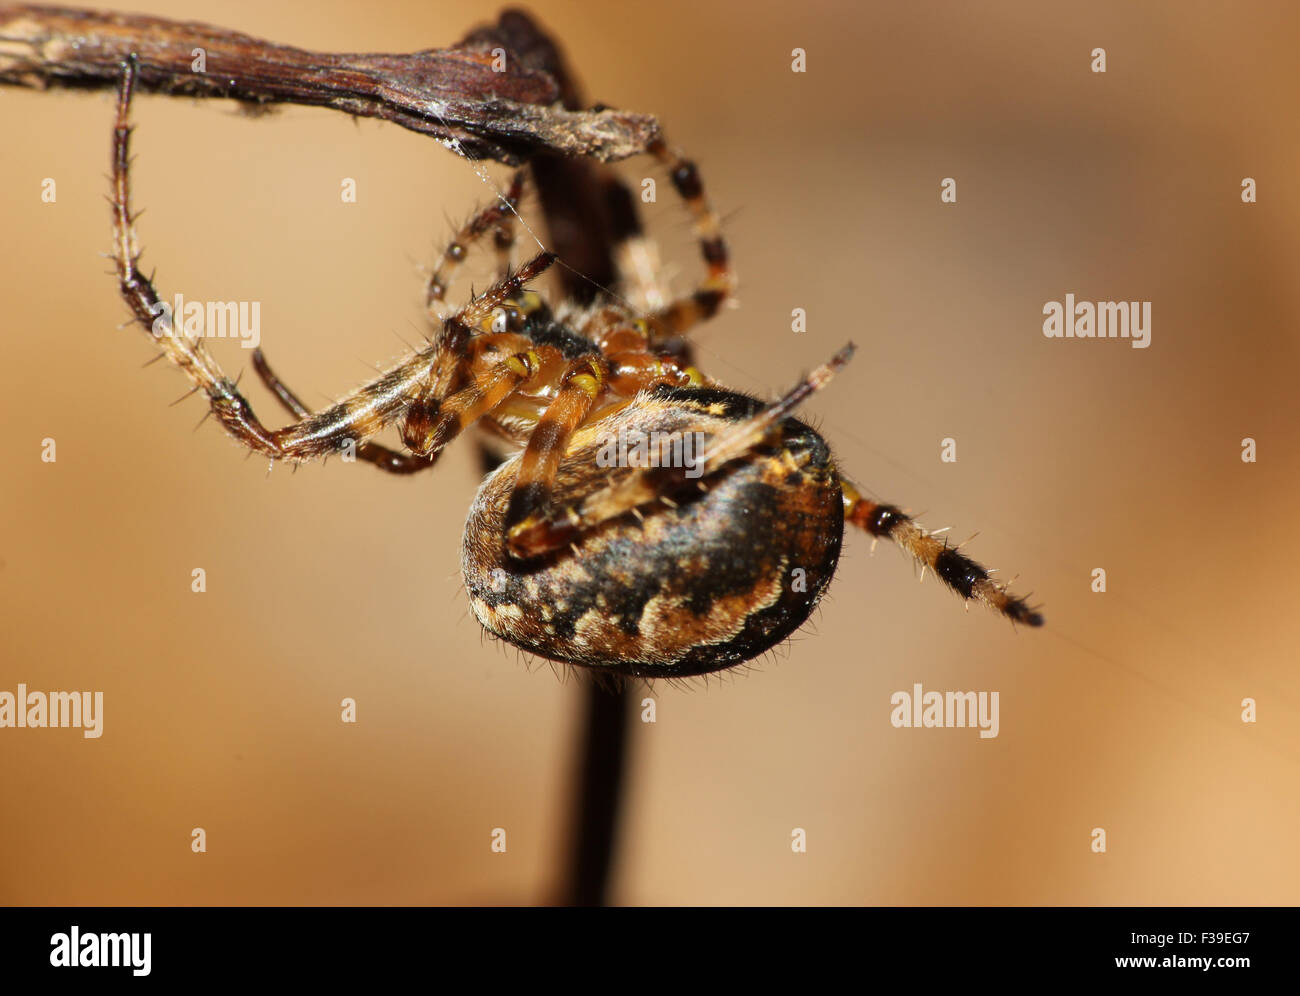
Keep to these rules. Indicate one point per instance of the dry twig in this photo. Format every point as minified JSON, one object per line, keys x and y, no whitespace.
{"x":451,"y":94}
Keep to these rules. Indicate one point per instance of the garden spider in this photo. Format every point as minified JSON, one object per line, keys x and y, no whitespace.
{"x":669,"y":568}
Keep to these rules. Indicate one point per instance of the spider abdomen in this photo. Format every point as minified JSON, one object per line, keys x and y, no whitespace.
{"x":726,"y":568}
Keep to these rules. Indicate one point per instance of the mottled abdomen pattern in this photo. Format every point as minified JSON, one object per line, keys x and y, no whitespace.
{"x":728,"y":567}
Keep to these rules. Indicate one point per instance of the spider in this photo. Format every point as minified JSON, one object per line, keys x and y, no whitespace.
{"x":661,"y":568}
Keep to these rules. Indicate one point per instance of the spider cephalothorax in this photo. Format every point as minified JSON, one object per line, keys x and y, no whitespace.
{"x":646,"y":520}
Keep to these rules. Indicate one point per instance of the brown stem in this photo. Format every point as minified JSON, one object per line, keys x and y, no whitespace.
{"x":451,"y":94}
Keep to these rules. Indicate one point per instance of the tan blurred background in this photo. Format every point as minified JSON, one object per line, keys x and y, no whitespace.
{"x":222,"y":709}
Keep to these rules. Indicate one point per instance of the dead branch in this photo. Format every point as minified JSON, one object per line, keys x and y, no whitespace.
{"x":454,"y":94}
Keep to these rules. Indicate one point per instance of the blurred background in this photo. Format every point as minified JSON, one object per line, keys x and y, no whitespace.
{"x":222,"y":709}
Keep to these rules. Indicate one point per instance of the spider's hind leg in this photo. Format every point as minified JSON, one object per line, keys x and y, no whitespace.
{"x":963,"y":575}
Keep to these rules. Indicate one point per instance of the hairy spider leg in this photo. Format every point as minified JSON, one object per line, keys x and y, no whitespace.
{"x":389,"y":460}
{"x":529,"y":511}
{"x":703,"y":303}
{"x":427,"y":431}
{"x":423,"y":378}
{"x":497,"y":218}
{"x":450,"y":372}
{"x":963,"y":575}
{"x":639,"y":273}
{"x":185,"y":351}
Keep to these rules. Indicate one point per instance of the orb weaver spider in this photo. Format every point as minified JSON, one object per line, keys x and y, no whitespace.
{"x":664,"y":570}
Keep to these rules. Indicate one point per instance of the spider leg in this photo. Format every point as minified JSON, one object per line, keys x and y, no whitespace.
{"x":385,"y":459}
{"x":453,"y":344}
{"x":635,"y":363}
{"x":418,"y":384}
{"x":427,"y":430}
{"x":503,"y":237}
{"x":636,"y":283}
{"x":638,"y":274}
{"x":185,"y":351}
{"x":359,"y":416}
{"x":703,"y":303}
{"x":528,"y":519}
{"x":640,"y":267}
{"x":428,"y":374}
{"x":497,"y":218}
{"x":963,"y":575}
{"x":549,"y":529}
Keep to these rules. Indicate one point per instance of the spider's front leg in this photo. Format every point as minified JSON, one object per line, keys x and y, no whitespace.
{"x":498,"y":366}
{"x":426,"y":430}
{"x":418,"y":389}
{"x":388,"y":460}
{"x":186,"y":352}
{"x":414,"y":388}
{"x":355,"y":419}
